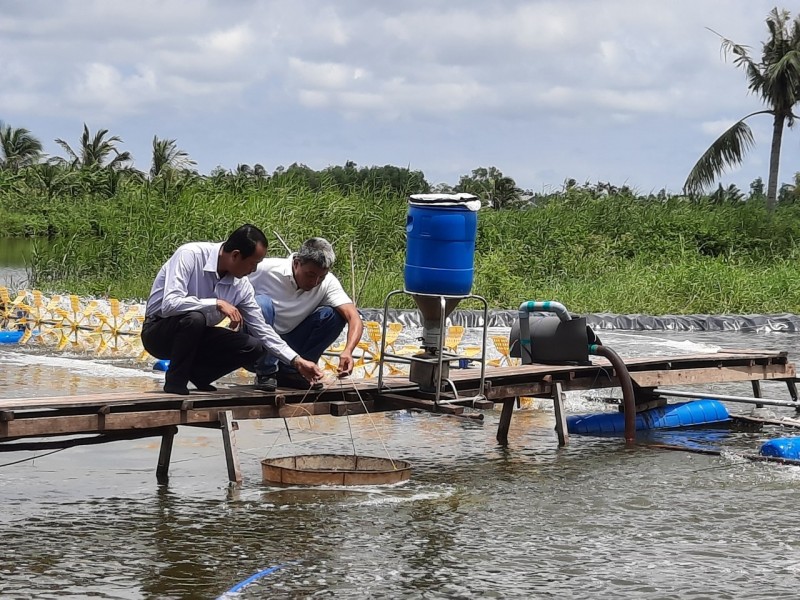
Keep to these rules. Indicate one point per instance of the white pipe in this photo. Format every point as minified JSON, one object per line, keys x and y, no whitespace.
{"x":745,"y":399}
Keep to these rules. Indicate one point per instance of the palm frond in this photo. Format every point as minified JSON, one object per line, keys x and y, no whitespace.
{"x":727,"y":150}
{"x":73,"y":158}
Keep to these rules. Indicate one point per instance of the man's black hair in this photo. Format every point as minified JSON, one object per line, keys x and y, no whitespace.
{"x":245,"y":239}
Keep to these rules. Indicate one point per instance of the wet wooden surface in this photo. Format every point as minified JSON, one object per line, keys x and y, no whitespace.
{"x":127,"y":411}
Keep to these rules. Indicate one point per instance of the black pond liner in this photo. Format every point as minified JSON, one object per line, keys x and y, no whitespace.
{"x":785,"y":322}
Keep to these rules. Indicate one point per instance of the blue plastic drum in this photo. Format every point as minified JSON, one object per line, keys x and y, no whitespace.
{"x":671,"y":416}
{"x":788,"y":447}
{"x":11,"y":337}
{"x":440,"y":248}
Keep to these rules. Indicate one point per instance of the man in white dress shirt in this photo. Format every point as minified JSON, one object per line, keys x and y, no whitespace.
{"x":200,"y":285}
{"x":308,"y":307}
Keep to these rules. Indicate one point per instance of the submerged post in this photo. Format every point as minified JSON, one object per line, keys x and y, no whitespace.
{"x":229,"y":442}
{"x":560,"y":414}
{"x":505,"y":421}
{"x":165,"y":454}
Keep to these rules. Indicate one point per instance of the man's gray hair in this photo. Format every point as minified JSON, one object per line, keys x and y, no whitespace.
{"x":317,"y":250}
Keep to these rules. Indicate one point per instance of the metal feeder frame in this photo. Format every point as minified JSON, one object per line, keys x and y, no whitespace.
{"x":442,"y":355}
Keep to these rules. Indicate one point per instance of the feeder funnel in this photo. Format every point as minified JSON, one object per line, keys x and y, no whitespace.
{"x":430,"y":307}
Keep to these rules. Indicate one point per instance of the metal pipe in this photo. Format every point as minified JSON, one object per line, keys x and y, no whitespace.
{"x":626,"y":383}
{"x":524,"y":324}
{"x":744,"y":399}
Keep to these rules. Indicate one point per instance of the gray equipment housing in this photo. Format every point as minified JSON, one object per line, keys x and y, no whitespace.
{"x":554,"y":341}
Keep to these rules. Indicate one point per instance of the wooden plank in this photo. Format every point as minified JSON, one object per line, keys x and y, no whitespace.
{"x":429,"y":405}
{"x":501,"y":392}
{"x":149,"y":419}
{"x":306,"y":409}
{"x":709,"y":375}
{"x":235,"y":394}
{"x":341,"y":408}
{"x":65,"y":425}
{"x":47,"y":426}
{"x":791,"y":423}
{"x":715,"y":452}
{"x":61,"y":443}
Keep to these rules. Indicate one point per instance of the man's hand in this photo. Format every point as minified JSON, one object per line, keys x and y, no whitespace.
{"x":307,"y":369}
{"x":345,"y":364}
{"x":230,"y":311}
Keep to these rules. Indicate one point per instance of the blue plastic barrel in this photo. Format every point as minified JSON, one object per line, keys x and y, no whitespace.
{"x":680,"y":414}
{"x":440,"y":247}
{"x":161,"y":365}
{"x":788,"y":447}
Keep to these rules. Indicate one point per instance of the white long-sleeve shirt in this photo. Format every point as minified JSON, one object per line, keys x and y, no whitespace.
{"x":189,"y":281}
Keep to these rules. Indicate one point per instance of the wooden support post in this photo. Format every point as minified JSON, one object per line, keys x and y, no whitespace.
{"x":561,"y":417}
{"x":164,"y":455}
{"x":505,"y":421}
{"x":229,"y":442}
{"x":790,"y":383}
{"x":757,"y":391}
{"x":5,"y":417}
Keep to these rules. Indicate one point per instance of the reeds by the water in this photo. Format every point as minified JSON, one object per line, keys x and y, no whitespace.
{"x":617,"y":253}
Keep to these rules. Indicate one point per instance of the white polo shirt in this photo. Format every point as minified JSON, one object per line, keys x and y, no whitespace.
{"x":274,"y":278}
{"x":188,"y":281}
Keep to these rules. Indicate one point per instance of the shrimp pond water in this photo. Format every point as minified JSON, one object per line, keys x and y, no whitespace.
{"x":476,"y":520}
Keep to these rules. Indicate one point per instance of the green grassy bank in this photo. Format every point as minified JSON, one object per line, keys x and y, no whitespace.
{"x":595,"y":253}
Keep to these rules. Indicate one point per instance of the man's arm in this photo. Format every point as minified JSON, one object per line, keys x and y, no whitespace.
{"x":258,"y":327}
{"x":354,"y":330}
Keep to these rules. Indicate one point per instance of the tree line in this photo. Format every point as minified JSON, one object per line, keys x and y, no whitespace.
{"x":96,"y":167}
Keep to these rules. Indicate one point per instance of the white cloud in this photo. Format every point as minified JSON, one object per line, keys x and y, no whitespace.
{"x":374,"y":77}
{"x":326,"y":75}
{"x":104,"y":87}
{"x":717,"y":127}
{"x":233,"y":42}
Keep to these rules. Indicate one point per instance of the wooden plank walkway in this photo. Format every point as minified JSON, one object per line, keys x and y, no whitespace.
{"x":114,"y":416}
{"x":108,"y":412}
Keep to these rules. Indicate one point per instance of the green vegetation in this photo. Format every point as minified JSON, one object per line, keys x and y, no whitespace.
{"x":593,"y":247}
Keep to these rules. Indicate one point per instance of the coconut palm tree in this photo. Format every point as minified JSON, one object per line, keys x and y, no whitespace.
{"x":94,"y":151}
{"x":776,"y":79}
{"x":18,"y":148}
{"x":491,"y":185}
{"x":168,"y":157}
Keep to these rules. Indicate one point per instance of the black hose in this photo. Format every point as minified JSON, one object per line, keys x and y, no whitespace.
{"x":626,"y":383}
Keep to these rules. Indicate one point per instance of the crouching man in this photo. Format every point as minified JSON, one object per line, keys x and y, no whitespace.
{"x":308,"y":308}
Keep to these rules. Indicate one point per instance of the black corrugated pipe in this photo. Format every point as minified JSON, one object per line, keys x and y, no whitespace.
{"x":626,"y":383}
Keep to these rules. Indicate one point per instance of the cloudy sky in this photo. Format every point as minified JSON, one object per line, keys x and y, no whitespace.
{"x":625,"y":91}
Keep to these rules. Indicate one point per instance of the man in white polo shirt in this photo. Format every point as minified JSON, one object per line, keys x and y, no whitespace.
{"x":200,"y":285}
{"x":307,"y":306}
